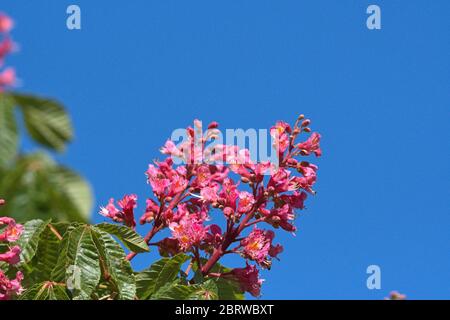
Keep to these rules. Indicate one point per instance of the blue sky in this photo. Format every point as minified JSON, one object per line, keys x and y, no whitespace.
{"x":139,"y":69}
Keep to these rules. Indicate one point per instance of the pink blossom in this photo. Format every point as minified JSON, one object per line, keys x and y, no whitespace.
{"x":10,"y":288}
{"x":237,"y":159}
{"x":188,"y":231}
{"x":246,"y":202}
{"x":6,"y":220}
{"x":213,"y":238}
{"x":12,"y":256}
{"x":213,"y":125}
{"x":281,"y":132}
{"x":171,"y":149}
{"x":279,"y":181}
{"x":177,"y":184}
{"x":6,"y":47}
{"x":187,"y":194}
{"x":151,"y":209}
{"x":260,"y":170}
{"x":248,"y":279}
{"x":12,"y":232}
{"x":218,"y":173}
{"x":257,"y":246}
{"x":229,"y":194}
{"x":311,"y":145}
{"x":7,"y":78}
{"x":203,"y":176}
{"x":281,"y":217}
{"x":157,"y":180}
{"x":275,"y":250}
{"x":6,"y":23}
{"x":296,"y":199}
{"x":128,"y":204}
{"x":309,"y":178}
{"x":110,"y":211}
{"x":228,"y":212}
{"x":126,"y":215}
{"x":210,"y":193}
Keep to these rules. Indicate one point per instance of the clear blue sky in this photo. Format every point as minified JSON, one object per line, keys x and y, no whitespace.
{"x":380,"y":99}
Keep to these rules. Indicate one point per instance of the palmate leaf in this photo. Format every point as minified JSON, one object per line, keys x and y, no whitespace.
{"x":45,"y":291}
{"x":46,"y":120}
{"x":40,"y":268}
{"x":160,"y":273}
{"x":29,"y":239}
{"x":72,"y":191}
{"x":115,"y":264}
{"x":130,"y":238}
{"x":175,"y":290}
{"x":205,"y":291}
{"x":59,"y":271}
{"x":47,"y":254}
{"x":8,"y":130}
{"x":78,"y":264}
{"x":37,"y":187}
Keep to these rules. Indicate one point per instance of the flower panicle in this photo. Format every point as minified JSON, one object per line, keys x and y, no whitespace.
{"x":10,"y":232}
{"x":186,"y":197}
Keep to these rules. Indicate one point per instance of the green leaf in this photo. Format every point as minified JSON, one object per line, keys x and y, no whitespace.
{"x":8,"y":130}
{"x":37,"y":187}
{"x":78,"y":264}
{"x":46,"y":121}
{"x":130,"y":238}
{"x":47,"y":255}
{"x":60,"y":269}
{"x":114,"y":262}
{"x":73,"y":192}
{"x":173,"y":290}
{"x":161,"y":272}
{"x":45,"y":291}
{"x":29,"y":239}
{"x":229,"y":290}
{"x":205,"y":291}
{"x":226,"y":289}
{"x":176,"y":291}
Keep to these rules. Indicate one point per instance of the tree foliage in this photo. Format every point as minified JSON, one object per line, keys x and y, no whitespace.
{"x":34,"y":184}
{"x":80,"y":261}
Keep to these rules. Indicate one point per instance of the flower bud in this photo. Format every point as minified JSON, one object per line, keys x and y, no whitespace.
{"x":190,"y":132}
{"x":304,"y":152}
{"x":306,"y":123}
{"x":213,"y":125}
{"x":197,"y":123}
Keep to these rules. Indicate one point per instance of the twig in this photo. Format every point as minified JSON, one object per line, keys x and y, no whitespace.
{"x":55,"y":232}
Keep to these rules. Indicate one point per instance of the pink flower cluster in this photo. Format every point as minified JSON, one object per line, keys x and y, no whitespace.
{"x":8,"y":75}
{"x":125,"y":215}
{"x":10,"y":232}
{"x":188,"y":196}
